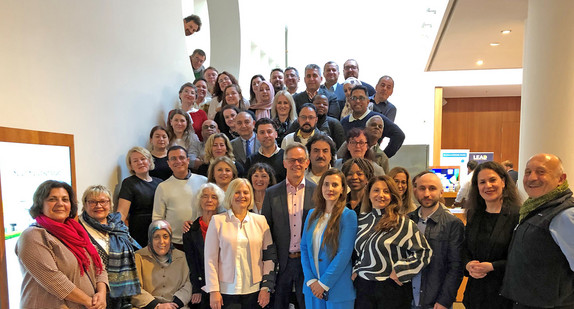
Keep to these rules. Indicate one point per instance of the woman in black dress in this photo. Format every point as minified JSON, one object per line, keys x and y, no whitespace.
{"x":492,"y":214}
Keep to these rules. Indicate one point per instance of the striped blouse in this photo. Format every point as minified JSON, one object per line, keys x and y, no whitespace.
{"x":403,"y":249}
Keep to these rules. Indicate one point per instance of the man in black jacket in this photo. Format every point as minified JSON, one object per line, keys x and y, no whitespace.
{"x":437,"y":284}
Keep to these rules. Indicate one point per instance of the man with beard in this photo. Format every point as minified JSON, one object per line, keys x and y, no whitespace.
{"x":322,"y":155}
{"x":276,"y":78}
{"x":380,"y":100}
{"x":437,"y":284}
{"x":326,"y":124}
{"x":307,"y":120}
{"x":269,"y":152}
{"x":191,"y":24}
{"x":313,"y":80}
{"x":291,"y":79}
{"x":373,"y":132}
{"x":351,"y":69}
{"x":540,"y":264}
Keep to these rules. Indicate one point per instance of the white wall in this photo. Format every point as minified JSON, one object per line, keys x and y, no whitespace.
{"x":105,"y":71}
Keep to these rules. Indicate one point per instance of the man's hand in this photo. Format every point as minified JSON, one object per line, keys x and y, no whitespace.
{"x":263,"y":299}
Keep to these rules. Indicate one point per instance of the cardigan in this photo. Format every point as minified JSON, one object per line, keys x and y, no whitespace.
{"x":50,"y":271}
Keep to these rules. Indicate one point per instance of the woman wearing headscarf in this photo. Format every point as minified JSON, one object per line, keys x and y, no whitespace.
{"x":162,"y":271}
{"x":265,"y":95}
{"x":60,"y":266}
{"x":115,"y":246}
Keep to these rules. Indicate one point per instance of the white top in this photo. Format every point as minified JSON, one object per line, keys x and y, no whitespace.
{"x":317,"y":240}
{"x":213,"y":106}
{"x":241,"y":284}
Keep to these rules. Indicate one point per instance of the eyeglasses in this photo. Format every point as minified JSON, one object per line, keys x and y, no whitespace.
{"x":209,"y":127}
{"x":299,"y":160}
{"x":361,"y":98}
{"x":305,"y":118}
{"x":104,"y":203}
{"x":355,"y":143}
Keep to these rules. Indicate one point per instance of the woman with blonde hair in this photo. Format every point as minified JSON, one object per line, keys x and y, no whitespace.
{"x":221,"y":172}
{"x":390,"y":248}
{"x":218,"y":145}
{"x":327,"y":245}
{"x":402,"y":179}
{"x":239,"y":253}
{"x":137,"y":193}
{"x":283,"y":112}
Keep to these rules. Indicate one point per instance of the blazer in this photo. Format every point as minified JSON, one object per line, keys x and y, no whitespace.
{"x":335,"y":272}
{"x":239,"y":149}
{"x":193,"y":247}
{"x":221,"y":250}
{"x":277,"y":215}
{"x":495,"y":252}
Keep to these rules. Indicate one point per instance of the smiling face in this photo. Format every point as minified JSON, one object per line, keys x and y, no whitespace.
{"x":260,"y":180}
{"x":291,"y":79}
{"x":57,"y":205}
{"x":223,"y":174}
{"x":331,"y":73}
{"x":244,"y":125}
{"x":139,"y":163}
{"x":283,"y":106}
{"x":321,"y":104}
{"x":277,"y":80}
{"x":296,"y":162}
{"x":190,"y":27}
{"x":332,"y":188}
{"x":208,"y":200}
{"x":356,"y":178}
{"x":179,"y":124}
{"x":384,"y":89}
{"x":187,"y":97}
{"x":211,"y":77}
{"x":229,"y":116}
{"x":380,"y":195}
{"x":161,"y":242}
{"x":208,"y":128}
{"x":219,"y":149}
{"x":178,"y":162}
{"x":428,"y":190}
{"x":347,"y":88}
{"x":307,"y":120}
{"x":159,"y":140}
{"x":312,"y":79}
{"x":201,"y":90}
{"x":241,"y":198}
{"x":351,"y":69}
{"x":359,"y":101}
{"x":197,"y":61}
{"x":255,"y":84}
{"x":490,"y":185}
{"x":401,"y":182}
{"x":266,"y":135}
{"x":320,"y":154}
{"x":232,"y":96}
{"x":223,"y":80}
{"x":265,"y":92}
{"x":357,"y":146}
{"x":543,"y":174}
{"x":375,"y":127}
{"x":98,"y":207}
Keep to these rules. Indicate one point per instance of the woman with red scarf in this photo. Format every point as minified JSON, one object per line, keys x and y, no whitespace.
{"x":208,"y":203}
{"x":60,"y":266}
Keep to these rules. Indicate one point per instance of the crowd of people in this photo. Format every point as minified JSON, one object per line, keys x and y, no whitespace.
{"x":287,"y":198}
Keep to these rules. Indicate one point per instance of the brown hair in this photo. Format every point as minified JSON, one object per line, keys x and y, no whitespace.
{"x":391,"y":216}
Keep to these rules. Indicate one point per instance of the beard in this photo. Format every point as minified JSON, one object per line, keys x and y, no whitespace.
{"x":307,"y":128}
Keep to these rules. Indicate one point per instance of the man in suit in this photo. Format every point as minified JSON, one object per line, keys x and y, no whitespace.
{"x":285,"y":207}
{"x":510,"y":170}
{"x":312,"y":79}
{"x":246,"y":144}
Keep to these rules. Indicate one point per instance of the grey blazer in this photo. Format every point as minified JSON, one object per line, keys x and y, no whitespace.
{"x":239,"y":149}
{"x":277,"y":215}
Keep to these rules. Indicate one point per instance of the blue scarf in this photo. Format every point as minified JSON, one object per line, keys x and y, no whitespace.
{"x":122,"y":272}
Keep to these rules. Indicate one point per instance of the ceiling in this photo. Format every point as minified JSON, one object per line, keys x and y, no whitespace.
{"x":467,"y":29}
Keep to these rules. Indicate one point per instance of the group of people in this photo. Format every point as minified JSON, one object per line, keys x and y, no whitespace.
{"x":288,"y":198}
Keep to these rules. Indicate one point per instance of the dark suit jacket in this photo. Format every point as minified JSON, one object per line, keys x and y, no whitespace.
{"x":514,"y":175}
{"x":239,"y":149}
{"x":277,"y":215}
{"x":495,"y":252}
{"x":302,"y":98}
{"x":193,"y":247}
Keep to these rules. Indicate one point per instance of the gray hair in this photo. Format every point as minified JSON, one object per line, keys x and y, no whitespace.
{"x":197,"y":200}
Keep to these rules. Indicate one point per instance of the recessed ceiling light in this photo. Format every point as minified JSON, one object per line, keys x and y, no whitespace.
{"x":505,"y":31}
{"x":479,"y":62}
{"x":494,"y":44}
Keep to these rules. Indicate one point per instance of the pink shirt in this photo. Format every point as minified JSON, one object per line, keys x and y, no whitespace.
{"x":295,"y":200}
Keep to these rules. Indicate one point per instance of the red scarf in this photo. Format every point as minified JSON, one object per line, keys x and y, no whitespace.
{"x":73,"y":235}
{"x":203,"y":227}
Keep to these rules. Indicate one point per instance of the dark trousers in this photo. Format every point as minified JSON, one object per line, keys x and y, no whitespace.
{"x":382,"y":294}
{"x":519,"y":306}
{"x":246,"y":301}
{"x":204,"y":304}
{"x":293,"y":274}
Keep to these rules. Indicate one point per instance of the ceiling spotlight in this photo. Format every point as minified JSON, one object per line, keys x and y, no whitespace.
{"x":479,"y":62}
{"x":505,"y":31}
{"x":494,"y":44}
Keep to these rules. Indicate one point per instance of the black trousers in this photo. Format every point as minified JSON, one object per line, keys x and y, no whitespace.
{"x":383,"y":294}
{"x":246,"y":301}
{"x":292,"y":275}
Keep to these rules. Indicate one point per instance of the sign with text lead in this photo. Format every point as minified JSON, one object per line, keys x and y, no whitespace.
{"x":482,"y":157}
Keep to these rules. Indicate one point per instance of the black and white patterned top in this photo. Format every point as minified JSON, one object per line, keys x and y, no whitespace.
{"x":403,"y":249}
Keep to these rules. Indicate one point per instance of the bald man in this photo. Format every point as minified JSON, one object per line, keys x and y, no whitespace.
{"x":437,"y":284}
{"x":540,"y":264}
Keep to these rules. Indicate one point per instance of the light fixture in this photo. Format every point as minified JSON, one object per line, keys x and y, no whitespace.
{"x":479,"y":62}
{"x":494,"y":44}
{"x":506,"y":31}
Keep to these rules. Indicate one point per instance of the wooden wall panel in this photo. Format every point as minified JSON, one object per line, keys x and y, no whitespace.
{"x":483,"y":124}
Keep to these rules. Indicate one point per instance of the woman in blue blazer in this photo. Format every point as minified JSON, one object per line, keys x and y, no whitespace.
{"x":327,"y":244}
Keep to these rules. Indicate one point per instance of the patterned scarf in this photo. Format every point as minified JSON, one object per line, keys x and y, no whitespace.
{"x":532,"y":203}
{"x":73,"y":235}
{"x":122,"y":272}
